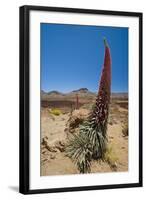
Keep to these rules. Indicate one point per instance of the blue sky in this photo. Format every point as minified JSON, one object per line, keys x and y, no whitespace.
{"x":72,"y":57}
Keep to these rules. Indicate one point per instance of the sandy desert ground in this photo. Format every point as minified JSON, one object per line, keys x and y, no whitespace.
{"x":54,"y":134}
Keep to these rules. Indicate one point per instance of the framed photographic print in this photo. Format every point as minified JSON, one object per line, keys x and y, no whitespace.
{"x":80,"y":99}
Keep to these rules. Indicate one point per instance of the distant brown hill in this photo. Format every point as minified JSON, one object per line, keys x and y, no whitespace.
{"x":82,"y":93}
{"x":57,"y":99}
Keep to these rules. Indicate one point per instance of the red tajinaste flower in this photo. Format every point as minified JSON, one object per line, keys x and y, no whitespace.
{"x":100,"y":113}
{"x":91,"y":141}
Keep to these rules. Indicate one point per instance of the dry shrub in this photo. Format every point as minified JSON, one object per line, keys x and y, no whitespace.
{"x":125,"y":129}
{"x":77,"y":117}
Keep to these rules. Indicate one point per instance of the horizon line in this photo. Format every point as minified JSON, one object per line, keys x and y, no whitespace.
{"x":79,"y":89}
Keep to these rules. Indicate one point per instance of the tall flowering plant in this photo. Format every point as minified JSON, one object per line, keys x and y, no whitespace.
{"x":91,"y":141}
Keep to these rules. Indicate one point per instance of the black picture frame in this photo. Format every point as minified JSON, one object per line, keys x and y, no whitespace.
{"x":25,"y":105}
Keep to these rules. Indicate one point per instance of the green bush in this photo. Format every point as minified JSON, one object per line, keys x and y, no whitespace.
{"x":111,"y":158}
{"x":56,"y":111}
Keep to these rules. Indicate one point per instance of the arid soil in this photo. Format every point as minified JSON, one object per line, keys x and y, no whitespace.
{"x":54,"y":133}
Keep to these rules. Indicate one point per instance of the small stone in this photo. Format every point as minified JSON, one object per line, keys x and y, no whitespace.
{"x":66,"y":130}
{"x":44,"y":160}
{"x":60,"y":145}
{"x":52,"y":156}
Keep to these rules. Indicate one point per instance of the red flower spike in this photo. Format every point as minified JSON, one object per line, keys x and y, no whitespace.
{"x":100,"y":112}
{"x":91,"y":142}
